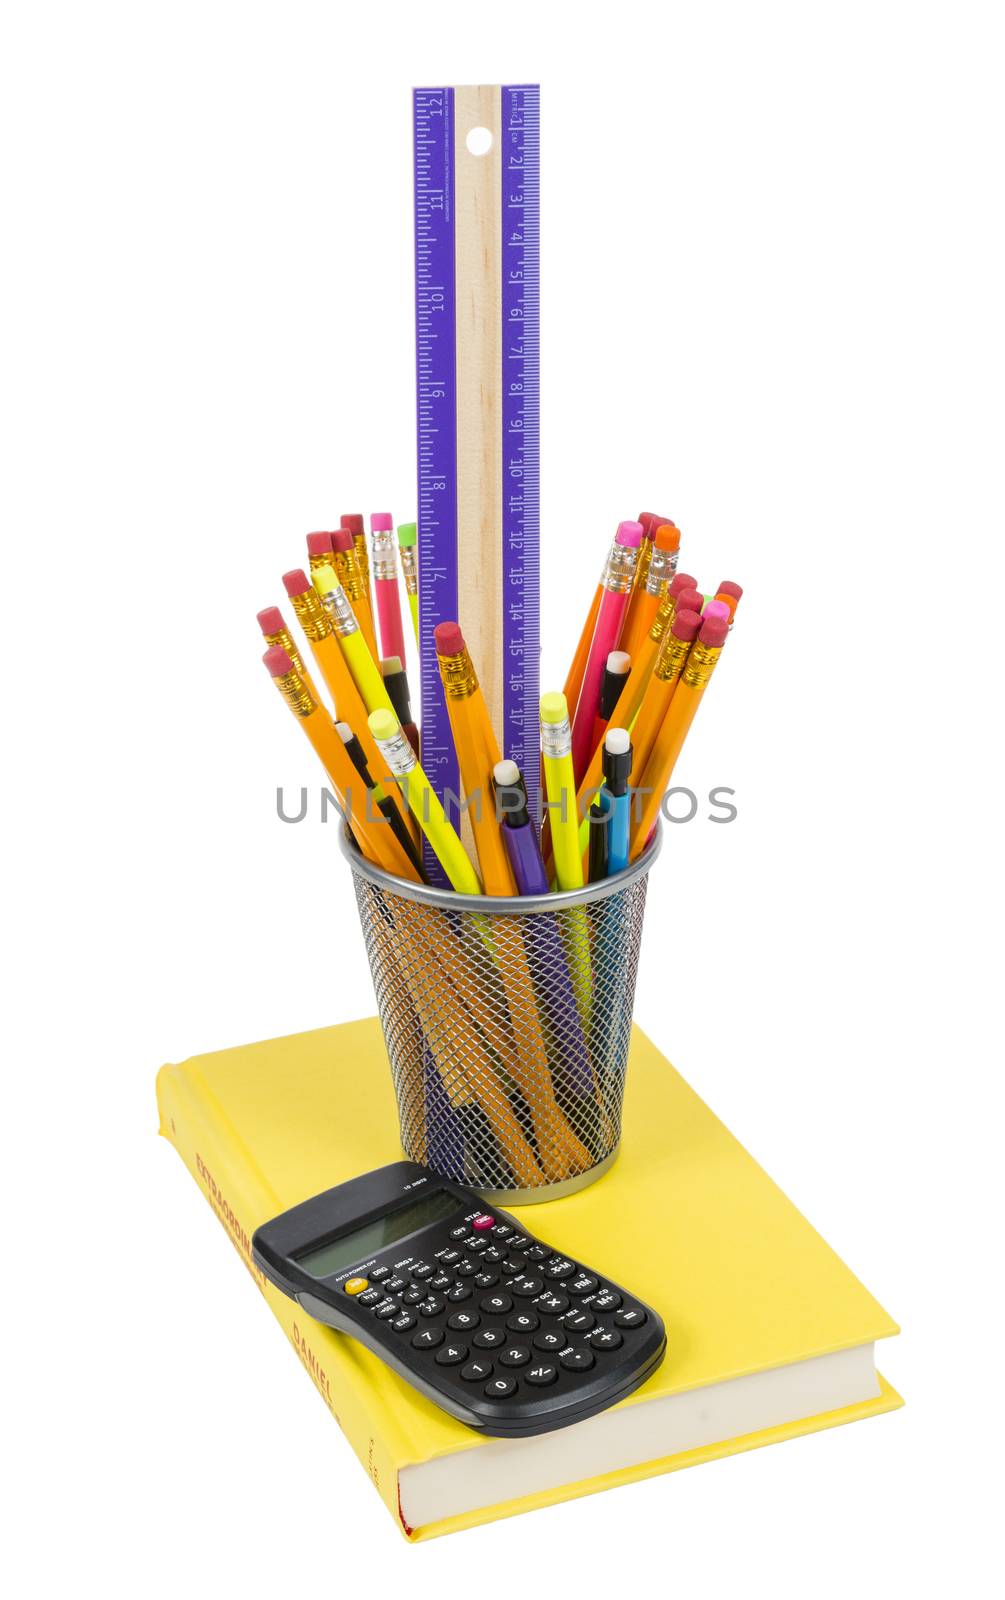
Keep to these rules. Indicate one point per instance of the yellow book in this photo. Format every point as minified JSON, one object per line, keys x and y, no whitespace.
{"x":770,"y":1335}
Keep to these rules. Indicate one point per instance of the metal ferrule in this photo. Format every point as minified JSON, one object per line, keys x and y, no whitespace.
{"x":673,"y":654}
{"x":701,"y":664}
{"x":343,"y":618}
{"x":556,"y":739}
{"x":296,"y":694}
{"x":398,"y":754}
{"x":660,"y":571}
{"x":385,"y":561}
{"x":362,"y":559}
{"x":458,"y":674}
{"x":347,"y":571}
{"x":315,"y":563}
{"x":619,"y":573}
{"x":663,"y":618}
{"x":285,"y":640}
{"x":409,"y":568}
{"x":311,"y":615}
{"x":647,"y":550}
{"x":674,"y":558}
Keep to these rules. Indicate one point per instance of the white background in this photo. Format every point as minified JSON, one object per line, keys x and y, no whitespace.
{"x":772,"y":310}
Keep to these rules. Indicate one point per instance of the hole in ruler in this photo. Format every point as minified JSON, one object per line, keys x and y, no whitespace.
{"x":479,"y":141}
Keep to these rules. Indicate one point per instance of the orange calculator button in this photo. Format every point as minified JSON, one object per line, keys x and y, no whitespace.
{"x":355,"y":1285}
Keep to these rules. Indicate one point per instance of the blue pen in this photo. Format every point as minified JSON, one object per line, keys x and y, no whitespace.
{"x":617,"y":760}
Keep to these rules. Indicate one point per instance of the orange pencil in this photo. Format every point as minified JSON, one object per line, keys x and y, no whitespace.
{"x":477,"y":753}
{"x":729,"y":594}
{"x":320,"y":552}
{"x":648,"y":592}
{"x":662,"y":685}
{"x":698,"y":669}
{"x":373,"y":835}
{"x":357,"y":588}
{"x":338,"y":680}
{"x":275,"y":631}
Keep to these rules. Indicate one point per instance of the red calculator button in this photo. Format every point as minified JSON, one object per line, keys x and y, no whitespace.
{"x":482,"y":1222}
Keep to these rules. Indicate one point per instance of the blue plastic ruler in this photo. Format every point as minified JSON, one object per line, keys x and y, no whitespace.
{"x":477,"y":299}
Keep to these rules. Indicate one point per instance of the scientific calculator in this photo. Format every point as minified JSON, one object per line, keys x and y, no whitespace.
{"x":506,"y":1334}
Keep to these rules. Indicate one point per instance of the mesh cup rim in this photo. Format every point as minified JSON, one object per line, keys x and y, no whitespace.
{"x":494,"y":905}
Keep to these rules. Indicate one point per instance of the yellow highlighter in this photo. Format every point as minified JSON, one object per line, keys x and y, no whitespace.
{"x":365,"y":672}
{"x":560,"y":785}
{"x":422,"y":801}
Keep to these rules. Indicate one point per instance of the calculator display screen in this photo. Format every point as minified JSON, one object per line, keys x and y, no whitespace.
{"x":329,"y":1258}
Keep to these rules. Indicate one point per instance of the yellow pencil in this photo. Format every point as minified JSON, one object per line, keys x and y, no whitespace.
{"x":422,"y":801}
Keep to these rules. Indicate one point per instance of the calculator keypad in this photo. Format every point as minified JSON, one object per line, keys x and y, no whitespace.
{"x":502,"y":1313}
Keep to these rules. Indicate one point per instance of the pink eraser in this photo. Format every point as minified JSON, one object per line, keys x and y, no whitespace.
{"x":713,"y":631}
{"x":717,"y":609}
{"x":649,"y":521}
{"x":685,"y":625}
{"x":352,"y":520}
{"x":449,"y":639}
{"x":732,"y":589}
{"x":277,"y":661}
{"x":271,"y":620}
{"x":381,"y":522}
{"x":681,"y":581}
{"x":319,"y":544}
{"x":296,"y":582}
{"x":341,"y":539}
{"x":629,"y":535}
{"x":690,"y":600}
{"x":667,"y":536}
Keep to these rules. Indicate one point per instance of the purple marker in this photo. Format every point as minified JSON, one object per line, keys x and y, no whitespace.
{"x":518,"y":834}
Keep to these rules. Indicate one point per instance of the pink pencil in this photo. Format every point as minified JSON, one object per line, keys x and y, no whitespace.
{"x":385,"y":583}
{"x":615,"y":593}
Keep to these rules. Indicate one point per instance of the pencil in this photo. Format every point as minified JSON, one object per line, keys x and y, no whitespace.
{"x":422,"y":801}
{"x":649,"y":590}
{"x":616,"y":586}
{"x":385,"y":585}
{"x":477,"y":754}
{"x":407,"y":538}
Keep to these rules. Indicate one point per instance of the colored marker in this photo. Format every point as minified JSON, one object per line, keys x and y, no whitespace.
{"x":698,"y":669}
{"x":385,"y":585}
{"x":616,"y":586}
{"x":422,"y":801}
{"x":396,"y":684}
{"x":617,"y":771}
{"x":407,"y":538}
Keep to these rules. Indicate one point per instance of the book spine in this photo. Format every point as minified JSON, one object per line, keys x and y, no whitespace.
{"x":228,"y":1180}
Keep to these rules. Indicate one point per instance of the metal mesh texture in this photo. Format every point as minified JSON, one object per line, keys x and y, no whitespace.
{"x":508,"y":1034}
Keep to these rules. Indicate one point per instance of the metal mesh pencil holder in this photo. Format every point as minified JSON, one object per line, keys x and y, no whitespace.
{"x":507,"y":1029}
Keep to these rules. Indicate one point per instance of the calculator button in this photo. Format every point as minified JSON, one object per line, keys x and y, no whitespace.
{"x":500,"y":1388}
{"x":378,"y":1274}
{"x":516,"y":1259}
{"x":536,"y":1252}
{"x":464,"y":1321}
{"x":460,"y":1232}
{"x":476,"y":1370}
{"x":606,"y":1300}
{"x":487,"y":1279}
{"x":443,"y":1280}
{"x":483,"y":1221}
{"x":523,"y":1322}
{"x":541,"y":1374}
{"x":632,"y":1318}
{"x":371,"y":1297}
{"x":489,"y":1339}
{"x":549,"y":1340}
{"x":579,"y":1321}
{"x":577,"y":1360}
{"x":451,"y":1355}
{"x":496,"y":1305}
{"x":404,"y":1322}
{"x":412,"y":1296}
{"x":526,"y":1287}
{"x":427,"y":1338}
{"x":582,"y":1283}
{"x":559,"y":1267}
{"x":519,"y":1241}
{"x":459,"y":1291}
{"x":432,"y":1306}
{"x":502,"y":1230}
{"x":466,"y":1269}
{"x":388,"y":1309}
{"x":422,"y":1269}
{"x":355,"y":1285}
{"x":476,"y":1244}
{"x":448,"y":1256}
{"x":606,"y":1339}
{"x":515,"y":1355}
{"x":394,"y":1285}
{"x":494,"y":1254}
{"x":553,"y":1300}
{"x":510,"y":1268}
